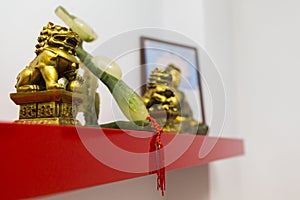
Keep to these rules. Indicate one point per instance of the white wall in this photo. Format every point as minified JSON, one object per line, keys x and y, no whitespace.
{"x":267,"y":70}
{"x":225,"y":175}
{"x":263,"y":38}
{"x":255,"y":45}
{"x":181,"y":184}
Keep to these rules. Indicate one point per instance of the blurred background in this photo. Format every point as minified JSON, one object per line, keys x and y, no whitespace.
{"x":255,"y":45}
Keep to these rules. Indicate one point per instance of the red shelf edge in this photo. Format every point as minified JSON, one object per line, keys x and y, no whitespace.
{"x":39,"y":160}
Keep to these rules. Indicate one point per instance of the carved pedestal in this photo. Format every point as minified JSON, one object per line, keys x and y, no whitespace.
{"x":47,"y":107}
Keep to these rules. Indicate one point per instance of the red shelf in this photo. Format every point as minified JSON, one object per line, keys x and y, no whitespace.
{"x":37,"y":160}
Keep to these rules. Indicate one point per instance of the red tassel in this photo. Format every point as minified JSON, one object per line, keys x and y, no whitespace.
{"x":159,"y":159}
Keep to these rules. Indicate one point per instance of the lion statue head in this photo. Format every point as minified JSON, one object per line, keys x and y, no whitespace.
{"x":55,"y":36}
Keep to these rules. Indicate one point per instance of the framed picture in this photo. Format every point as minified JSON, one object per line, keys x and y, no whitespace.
{"x":161,"y":54}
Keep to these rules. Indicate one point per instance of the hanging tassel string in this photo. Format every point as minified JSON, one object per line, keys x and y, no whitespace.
{"x":159,"y":159}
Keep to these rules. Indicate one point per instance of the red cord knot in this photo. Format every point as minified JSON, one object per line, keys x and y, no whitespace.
{"x":161,"y":171}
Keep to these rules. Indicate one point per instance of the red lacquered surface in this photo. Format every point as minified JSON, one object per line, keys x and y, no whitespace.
{"x":37,"y":160}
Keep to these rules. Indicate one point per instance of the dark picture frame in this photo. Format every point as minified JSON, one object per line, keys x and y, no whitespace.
{"x":156,"y":53}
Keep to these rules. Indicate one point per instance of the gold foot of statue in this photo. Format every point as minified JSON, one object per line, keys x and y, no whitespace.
{"x":48,"y":107}
{"x":28,"y":88}
{"x":54,"y":86}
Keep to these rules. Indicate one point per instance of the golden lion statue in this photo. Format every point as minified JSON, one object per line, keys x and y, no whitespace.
{"x":55,"y":59}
